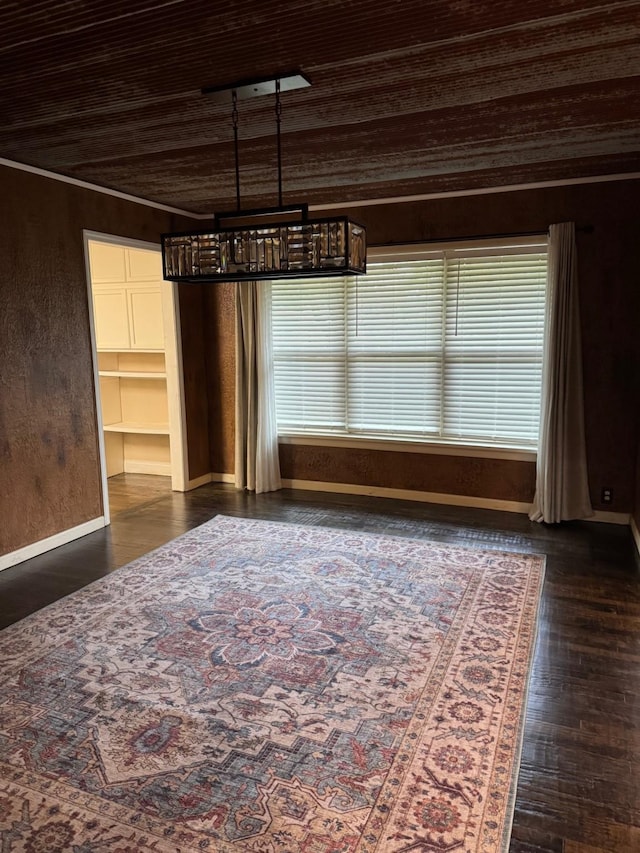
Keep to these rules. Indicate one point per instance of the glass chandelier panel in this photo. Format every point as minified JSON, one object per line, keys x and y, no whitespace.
{"x":285,"y":250}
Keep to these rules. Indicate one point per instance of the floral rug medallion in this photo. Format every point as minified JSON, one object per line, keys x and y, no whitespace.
{"x":263,"y":687}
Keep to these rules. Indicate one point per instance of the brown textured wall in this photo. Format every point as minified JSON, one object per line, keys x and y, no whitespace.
{"x":221,"y":366}
{"x":457,"y":475}
{"x":49,"y":466}
{"x":636,"y":506}
{"x":609,"y":267}
{"x":196,"y":399}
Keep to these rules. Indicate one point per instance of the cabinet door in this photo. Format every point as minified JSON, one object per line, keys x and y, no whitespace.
{"x":108,"y":262}
{"x":145,"y":317}
{"x":143,"y":265}
{"x":110,"y":311}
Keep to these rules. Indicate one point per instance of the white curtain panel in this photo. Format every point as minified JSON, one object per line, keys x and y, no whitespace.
{"x":256,"y":455}
{"x":562,"y":488}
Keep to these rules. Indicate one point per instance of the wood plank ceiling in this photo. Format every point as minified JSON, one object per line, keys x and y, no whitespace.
{"x":407,"y":96}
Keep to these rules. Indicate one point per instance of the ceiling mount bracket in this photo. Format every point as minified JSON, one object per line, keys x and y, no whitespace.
{"x":256,"y":87}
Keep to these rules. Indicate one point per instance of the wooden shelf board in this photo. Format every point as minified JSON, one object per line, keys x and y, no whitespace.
{"x":133,"y":374}
{"x":143,"y":429}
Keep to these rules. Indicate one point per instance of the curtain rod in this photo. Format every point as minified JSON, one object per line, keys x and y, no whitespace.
{"x":585,"y":229}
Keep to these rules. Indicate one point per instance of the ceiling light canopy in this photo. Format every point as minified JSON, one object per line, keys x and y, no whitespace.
{"x":274,"y":242}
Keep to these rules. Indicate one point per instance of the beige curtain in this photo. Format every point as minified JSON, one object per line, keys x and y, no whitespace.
{"x":562,"y":488}
{"x":256,"y":457}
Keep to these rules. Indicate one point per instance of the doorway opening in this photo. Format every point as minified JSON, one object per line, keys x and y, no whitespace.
{"x":138,"y":369}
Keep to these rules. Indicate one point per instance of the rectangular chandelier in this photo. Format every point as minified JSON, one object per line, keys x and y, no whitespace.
{"x":287,"y":249}
{"x":265,"y":243}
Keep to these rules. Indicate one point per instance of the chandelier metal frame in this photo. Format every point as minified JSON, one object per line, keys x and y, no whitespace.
{"x":269,"y":242}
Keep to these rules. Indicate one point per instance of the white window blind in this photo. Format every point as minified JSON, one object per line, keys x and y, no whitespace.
{"x":442,"y":345}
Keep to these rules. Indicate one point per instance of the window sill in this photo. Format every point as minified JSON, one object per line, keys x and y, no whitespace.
{"x":409,"y":446}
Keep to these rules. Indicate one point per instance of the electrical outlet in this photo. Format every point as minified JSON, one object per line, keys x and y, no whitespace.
{"x":607,"y":495}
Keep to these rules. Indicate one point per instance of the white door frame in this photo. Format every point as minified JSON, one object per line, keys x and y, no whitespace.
{"x":174,"y":368}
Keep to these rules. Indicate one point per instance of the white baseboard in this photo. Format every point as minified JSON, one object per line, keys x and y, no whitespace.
{"x":37,"y":548}
{"x":610,"y":517}
{"x":223,"y":478}
{"x":198,"y":481}
{"x":636,"y":533}
{"x":408,"y":495}
{"x":141,"y":466}
{"x":209,"y":478}
{"x":441,"y":498}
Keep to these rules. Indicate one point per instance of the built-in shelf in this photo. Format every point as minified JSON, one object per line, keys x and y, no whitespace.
{"x":132,"y":374}
{"x":117,"y":350}
{"x":129,"y":299}
{"x":143,"y":429}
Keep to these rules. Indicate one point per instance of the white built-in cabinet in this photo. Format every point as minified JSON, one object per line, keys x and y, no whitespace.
{"x":134,"y":367}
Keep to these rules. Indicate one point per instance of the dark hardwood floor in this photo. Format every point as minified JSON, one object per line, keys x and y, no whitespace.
{"x":579,"y":784}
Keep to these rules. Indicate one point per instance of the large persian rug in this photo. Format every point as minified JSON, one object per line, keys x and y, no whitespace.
{"x":256,"y":686}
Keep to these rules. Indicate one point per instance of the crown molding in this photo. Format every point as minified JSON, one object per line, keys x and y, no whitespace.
{"x":402,"y":199}
{"x":85,"y":185}
{"x":507,"y":188}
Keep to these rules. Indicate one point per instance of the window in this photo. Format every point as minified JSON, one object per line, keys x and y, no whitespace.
{"x":441,"y":345}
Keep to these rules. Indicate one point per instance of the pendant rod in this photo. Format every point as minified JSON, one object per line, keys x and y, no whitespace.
{"x":234,"y":118}
{"x":278,"y":118}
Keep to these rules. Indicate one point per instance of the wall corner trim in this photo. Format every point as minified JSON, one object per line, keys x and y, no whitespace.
{"x":211,"y":477}
{"x":198,"y":481}
{"x":51,"y":542}
{"x":223,"y":478}
{"x":636,"y":533}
